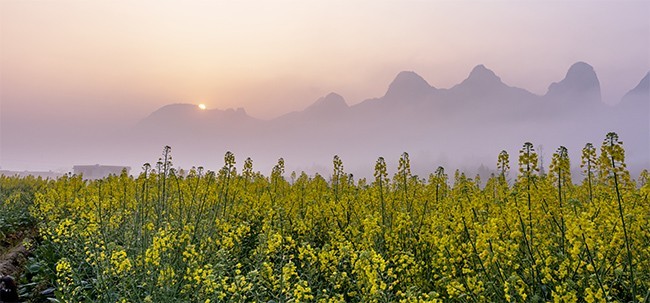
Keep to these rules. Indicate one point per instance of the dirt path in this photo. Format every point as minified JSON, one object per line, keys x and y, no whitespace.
{"x":13,"y":253}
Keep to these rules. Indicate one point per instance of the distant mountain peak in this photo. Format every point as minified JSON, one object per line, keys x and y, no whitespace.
{"x":408,"y":84}
{"x":185,"y":111}
{"x":176,"y":108}
{"x":481,"y":78}
{"x":640,"y":94}
{"x":580,"y":79}
{"x":482,"y":73}
{"x":332,"y":102}
{"x":581,"y":73}
{"x":580,"y":67}
{"x":333,"y":97}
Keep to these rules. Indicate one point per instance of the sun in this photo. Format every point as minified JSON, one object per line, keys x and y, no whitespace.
{"x":202,"y":106}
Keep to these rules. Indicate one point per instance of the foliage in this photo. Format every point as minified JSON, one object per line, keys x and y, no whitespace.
{"x":223,"y":236}
{"x":16,"y":195}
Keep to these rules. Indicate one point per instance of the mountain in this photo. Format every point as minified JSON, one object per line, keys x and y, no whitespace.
{"x":332,"y":104}
{"x":408,"y":85}
{"x":410,"y":100}
{"x":181,"y":120}
{"x":480,"y":115}
{"x":632,"y":115}
{"x":639,"y":94}
{"x":317,"y":120}
{"x":481,"y":79}
{"x":172,"y":113}
{"x":484,"y":92}
{"x":580,"y":83}
{"x":406,"y":90}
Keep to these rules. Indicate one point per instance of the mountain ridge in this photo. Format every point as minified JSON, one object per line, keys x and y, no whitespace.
{"x":408,"y":85}
{"x":640,"y":93}
{"x":412,"y":115}
{"x":580,"y":79}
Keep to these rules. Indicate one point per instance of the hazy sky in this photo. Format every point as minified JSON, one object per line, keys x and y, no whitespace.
{"x":127,"y":58}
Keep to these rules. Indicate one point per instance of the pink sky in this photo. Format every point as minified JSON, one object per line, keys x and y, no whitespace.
{"x":275,"y":56}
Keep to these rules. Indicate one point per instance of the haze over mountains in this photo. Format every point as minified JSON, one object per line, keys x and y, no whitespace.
{"x":464,"y":126}
{"x":460,"y":127}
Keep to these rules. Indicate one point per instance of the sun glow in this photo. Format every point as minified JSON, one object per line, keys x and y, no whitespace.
{"x":202,"y":106}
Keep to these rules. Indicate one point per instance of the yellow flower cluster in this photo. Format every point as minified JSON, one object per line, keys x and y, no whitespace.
{"x":197,"y":236}
{"x":162,"y":243}
{"x":120,"y":263}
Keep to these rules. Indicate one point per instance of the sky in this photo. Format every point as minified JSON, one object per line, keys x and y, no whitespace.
{"x":106,"y":63}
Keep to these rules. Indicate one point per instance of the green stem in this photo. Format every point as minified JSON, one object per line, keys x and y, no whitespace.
{"x":627,"y":241}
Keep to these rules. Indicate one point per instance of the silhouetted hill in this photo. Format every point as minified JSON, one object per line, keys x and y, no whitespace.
{"x":191,"y":116}
{"x":479,"y":116}
{"x":187,"y":124}
{"x":579,"y":84}
{"x":332,"y":103}
{"x":480,"y":79}
{"x":639,"y":94}
{"x":483,"y":93}
{"x":632,"y":115}
{"x":408,"y":85}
